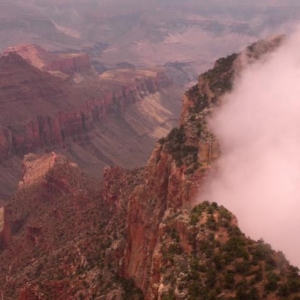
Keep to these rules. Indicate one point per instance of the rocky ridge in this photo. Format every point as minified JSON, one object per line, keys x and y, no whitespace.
{"x":147,"y":240}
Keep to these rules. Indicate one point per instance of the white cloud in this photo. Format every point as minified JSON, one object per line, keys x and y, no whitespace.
{"x":258,"y":128}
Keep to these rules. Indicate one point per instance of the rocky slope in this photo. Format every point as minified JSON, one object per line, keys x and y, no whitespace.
{"x":139,"y":236}
{"x":55,"y":114}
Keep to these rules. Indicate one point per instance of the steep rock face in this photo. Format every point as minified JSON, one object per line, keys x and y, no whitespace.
{"x":35,"y":93}
{"x":71,"y":63}
{"x":175,"y":170}
{"x":166,"y":187}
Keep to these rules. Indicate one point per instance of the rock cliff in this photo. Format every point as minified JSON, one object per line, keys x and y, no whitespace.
{"x":176,"y":169}
{"x":139,"y":236}
{"x":179,"y":163}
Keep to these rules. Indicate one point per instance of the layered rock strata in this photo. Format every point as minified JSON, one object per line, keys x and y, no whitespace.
{"x":41,"y":111}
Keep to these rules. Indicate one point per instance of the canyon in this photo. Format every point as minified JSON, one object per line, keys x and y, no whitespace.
{"x":106,"y":149}
{"x":145,"y":34}
{"x":51,"y":101}
{"x":139,"y":234}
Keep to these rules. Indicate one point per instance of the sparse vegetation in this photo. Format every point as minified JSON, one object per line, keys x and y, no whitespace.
{"x":220,"y":78}
{"x":175,"y":144}
{"x":224,"y":263}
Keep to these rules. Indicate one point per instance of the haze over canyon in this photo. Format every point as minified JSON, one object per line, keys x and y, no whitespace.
{"x":126,"y":175}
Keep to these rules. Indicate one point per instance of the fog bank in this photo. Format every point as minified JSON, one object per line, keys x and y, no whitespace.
{"x":258,"y":128}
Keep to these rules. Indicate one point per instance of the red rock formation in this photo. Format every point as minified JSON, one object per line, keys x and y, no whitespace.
{"x":52,"y":112}
{"x":165,"y":187}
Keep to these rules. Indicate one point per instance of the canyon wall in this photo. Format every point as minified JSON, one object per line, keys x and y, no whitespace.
{"x":76,"y":117}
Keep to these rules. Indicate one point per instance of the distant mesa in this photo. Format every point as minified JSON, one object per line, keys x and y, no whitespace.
{"x":125,"y":65}
{"x":52,"y":62}
{"x":98,"y":66}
